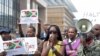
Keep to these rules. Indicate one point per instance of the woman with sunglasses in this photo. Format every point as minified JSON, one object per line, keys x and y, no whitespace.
{"x":52,"y":45}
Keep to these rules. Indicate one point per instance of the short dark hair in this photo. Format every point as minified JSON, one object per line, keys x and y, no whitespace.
{"x":58,"y":33}
{"x":73,"y":28}
{"x":34,"y":30}
{"x":5,"y":30}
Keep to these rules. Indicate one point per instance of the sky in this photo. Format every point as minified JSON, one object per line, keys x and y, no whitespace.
{"x":87,"y":5}
{"x":89,"y":9}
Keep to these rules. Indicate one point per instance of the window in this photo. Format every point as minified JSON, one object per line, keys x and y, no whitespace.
{"x":9,"y":10}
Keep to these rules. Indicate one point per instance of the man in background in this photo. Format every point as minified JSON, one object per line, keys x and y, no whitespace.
{"x":96,"y":31}
{"x":44,"y":32}
{"x":5,"y":34}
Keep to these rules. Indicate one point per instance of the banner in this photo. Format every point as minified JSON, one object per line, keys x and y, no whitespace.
{"x":27,"y":45}
{"x":14,"y":47}
{"x":29,"y":16}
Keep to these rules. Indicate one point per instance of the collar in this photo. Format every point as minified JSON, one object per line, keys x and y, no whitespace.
{"x":69,"y":41}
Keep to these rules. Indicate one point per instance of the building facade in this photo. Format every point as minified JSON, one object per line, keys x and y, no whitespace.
{"x":60,"y":13}
{"x":9,"y":13}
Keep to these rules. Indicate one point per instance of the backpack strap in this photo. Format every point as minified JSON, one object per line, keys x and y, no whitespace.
{"x":68,"y":43}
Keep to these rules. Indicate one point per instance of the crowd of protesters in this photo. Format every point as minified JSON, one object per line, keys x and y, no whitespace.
{"x":52,"y":43}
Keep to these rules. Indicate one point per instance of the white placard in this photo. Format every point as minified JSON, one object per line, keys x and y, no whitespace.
{"x":1,"y":44}
{"x":26,"y":45}
{"x":29,"y":16}
{"x":14,"y":47}
{"x":30,"y":44}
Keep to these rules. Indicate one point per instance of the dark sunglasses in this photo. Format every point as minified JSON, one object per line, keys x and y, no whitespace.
{"x":97,"y":29}
{"x":53,"y":32}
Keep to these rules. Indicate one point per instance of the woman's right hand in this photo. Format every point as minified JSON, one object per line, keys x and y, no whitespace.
{"x":51,"y":40}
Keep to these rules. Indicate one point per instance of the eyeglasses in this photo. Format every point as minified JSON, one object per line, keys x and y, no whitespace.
{"x":54,"y":32}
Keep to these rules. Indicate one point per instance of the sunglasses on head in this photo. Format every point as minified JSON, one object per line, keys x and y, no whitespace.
{"x":53,"y":32}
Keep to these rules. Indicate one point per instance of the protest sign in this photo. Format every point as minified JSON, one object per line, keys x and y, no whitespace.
{"x":29,"y":16}
{"x":1,"y":44}
{"x":30,"y":44}
{"x":14,"y":47}
{"x":27,"y":45}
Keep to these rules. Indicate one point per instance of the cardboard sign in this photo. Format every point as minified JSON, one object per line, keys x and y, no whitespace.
{"x":29,"y":16}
